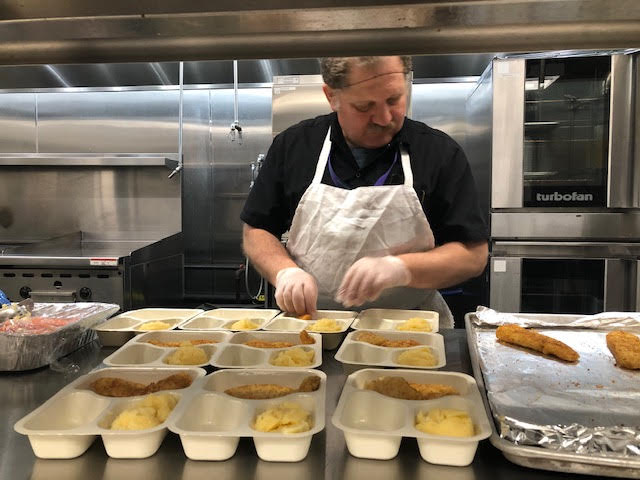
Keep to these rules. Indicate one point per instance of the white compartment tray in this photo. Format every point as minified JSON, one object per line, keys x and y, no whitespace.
{"x":330,"y":340}
{"x":229,"y":351}
{"x":374,"y":424}
{"x":211,"y":423}
{"x":355,"y":354}
{"x":390,"y":319}
{"x":224,"y":318}
{"x":120,"y":329}
{"x":138,"y":352}
{"x":66,"y":425}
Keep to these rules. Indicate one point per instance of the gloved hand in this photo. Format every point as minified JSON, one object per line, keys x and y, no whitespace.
{"x":296,"y":291}
{"x":368,"y":277}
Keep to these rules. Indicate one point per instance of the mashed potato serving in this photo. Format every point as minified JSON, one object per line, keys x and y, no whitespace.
{"x":155,"y":325}
{"x":244,"y":324}
{"x":288,"y":417}
{"x":293,"y":357}
{"x":417,"y":357}
{"x":442,"y":421}
{"x":326,"y":325}
{"x":415,"y":324}
{"x":147,"y":413}
{"x":187,"y":355}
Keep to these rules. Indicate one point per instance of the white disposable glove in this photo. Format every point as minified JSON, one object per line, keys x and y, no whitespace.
{"x":368,"y":277}
{"x":296,"y":291}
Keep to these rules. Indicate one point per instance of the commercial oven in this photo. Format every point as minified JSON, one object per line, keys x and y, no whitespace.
{"x":563,"y":132}
{"x":558,"y":132}
{"x":564,"y":277}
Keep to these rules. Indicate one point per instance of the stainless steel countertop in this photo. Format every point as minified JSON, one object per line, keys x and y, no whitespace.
{"x":21,"y":392}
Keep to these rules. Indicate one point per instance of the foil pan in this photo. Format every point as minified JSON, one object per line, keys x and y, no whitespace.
{"x":26,"y":351}
{"x":580,"y":417}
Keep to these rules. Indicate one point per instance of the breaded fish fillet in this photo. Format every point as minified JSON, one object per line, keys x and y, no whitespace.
{"x":523,"y":337}
{"x":305,"y":339}
{"x":380,"y":341}
{"x":398,"y":387}
{"x":261,"y":391}
{"x":263,"y":344}
{"x":183,"y":343}
{"x":433,"y":390}
{"x":625,"y":347}
{"x":117,"y":387}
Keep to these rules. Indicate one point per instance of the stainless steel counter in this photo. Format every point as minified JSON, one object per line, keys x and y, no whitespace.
{"x":328,"y":458}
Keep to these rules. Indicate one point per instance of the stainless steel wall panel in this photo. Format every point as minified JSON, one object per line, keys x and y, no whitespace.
{"x":442,"y":106}
{"x":197,"y":197}
{"x":479,"y":121}
{"x":296,"y":98}
{"x":232,"y":158}
{"x":18,"y":123}
{"x":37,"y":203}
{"x":508,"y":133}
{"x":108,"y":122}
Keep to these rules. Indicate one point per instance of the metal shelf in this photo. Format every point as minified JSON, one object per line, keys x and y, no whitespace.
{"x":90,"y":160}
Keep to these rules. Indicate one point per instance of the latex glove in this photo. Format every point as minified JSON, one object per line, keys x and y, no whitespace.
{"x":368,"y":277}
{"x":296,"y":291}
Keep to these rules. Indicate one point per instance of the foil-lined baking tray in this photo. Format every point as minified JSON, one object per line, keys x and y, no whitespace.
{"x":24,"y":350}
{"x":572,"y":417}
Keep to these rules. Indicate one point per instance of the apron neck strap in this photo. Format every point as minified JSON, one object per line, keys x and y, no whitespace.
{"x":326,"y":150}
{"x":322,"y":159}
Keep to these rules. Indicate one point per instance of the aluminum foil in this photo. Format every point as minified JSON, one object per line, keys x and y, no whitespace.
{"x":25,"y":350}
{"x":589,"y":407}
{"x":602,"y":321}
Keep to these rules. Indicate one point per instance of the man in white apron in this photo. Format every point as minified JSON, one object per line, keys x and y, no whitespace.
{"x":370,"y":246}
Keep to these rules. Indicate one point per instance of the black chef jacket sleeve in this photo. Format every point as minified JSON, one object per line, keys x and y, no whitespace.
{"x":453,"y":209}
{"x":266,"y":207}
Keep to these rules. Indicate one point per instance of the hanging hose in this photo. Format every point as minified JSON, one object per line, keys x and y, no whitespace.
{"x":256,"y":297}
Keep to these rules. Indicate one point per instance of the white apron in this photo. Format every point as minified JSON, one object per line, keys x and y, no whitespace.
{"x":333,"y":227}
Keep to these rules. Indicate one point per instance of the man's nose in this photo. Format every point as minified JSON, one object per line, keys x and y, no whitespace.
{"x":382,"y":115}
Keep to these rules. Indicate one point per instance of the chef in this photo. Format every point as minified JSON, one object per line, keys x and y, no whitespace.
{"x":381,"y":211}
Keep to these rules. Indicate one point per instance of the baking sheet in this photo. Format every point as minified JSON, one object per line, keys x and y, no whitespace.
{"x":587,"y":410}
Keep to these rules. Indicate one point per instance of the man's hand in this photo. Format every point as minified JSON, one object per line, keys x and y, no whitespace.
{"x":368,"y":277}
{"x":296,"y":291}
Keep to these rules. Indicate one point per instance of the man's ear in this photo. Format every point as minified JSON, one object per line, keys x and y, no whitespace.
{"x":332,"y":97}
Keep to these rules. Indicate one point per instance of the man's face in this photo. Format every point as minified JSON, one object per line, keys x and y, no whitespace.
{"x":371,"y":109}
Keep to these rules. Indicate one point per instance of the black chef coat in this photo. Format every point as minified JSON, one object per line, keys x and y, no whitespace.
{"x":441,"y":177}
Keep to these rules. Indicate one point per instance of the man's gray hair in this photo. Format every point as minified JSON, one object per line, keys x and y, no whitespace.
{"x":335,"y":70}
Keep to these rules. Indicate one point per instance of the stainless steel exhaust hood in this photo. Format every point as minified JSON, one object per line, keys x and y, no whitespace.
{"x":76,"y":31}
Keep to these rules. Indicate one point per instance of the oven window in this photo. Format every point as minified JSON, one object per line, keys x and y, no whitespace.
{"x":566,"y":131}
{"x":562,"y":286}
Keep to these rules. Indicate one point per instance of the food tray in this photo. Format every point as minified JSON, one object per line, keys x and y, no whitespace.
{"x":229,"y":352}
{"x":119,"y":330}
{"x":389,"y":319}
{"x":25,"y":351}
{"x":211,"y":423}
{"x":66,"y":425}
{"x":224,"y":318}
{"x":236,"y":355}
{"x":355,"y":354}
{"x":374,"y":424}
{"x":575,"y":394}
{"x":330,"y":340}
{"x":137,"y":352}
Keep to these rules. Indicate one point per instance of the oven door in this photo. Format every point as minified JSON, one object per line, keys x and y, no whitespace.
{"x":563,"y":132}
{"x":564,"y":277}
